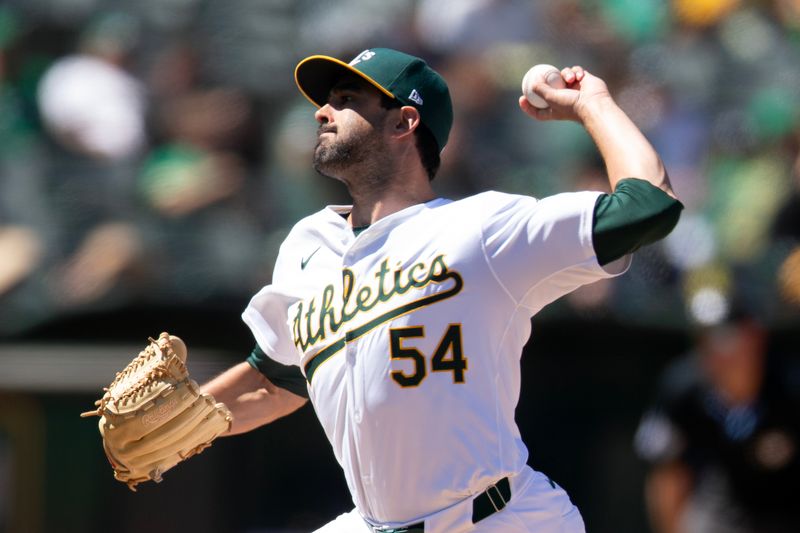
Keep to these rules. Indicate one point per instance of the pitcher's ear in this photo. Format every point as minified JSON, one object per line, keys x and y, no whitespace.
{"x":408,"y":120}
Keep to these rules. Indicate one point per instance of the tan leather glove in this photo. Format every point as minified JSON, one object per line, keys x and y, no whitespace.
{"x":153,"y":416}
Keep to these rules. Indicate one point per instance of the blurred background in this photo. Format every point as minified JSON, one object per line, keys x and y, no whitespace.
{"x":154,"y":153}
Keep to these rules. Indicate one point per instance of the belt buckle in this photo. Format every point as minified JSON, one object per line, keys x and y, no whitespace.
{"x":503,"y":502}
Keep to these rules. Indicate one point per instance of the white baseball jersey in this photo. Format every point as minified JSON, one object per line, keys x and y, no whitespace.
{"x":410,"y":335}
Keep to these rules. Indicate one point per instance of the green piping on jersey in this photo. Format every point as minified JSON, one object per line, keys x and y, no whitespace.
{"x":324,"y":354}
{"x":635,"y":214}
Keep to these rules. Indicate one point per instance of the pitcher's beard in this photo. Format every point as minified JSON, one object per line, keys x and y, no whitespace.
{"x":357,"y":161}
{"x":331,"y":159}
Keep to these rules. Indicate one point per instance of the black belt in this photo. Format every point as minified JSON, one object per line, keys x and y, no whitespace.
{"x":490,"y":501}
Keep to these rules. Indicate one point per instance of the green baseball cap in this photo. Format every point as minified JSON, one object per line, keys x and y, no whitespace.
{"x":403,"y":77}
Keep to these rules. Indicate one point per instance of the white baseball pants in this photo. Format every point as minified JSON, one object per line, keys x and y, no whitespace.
{"x":535,"y":507}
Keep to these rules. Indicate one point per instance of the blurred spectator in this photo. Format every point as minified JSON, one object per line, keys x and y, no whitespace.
{"x":789,"y":277}
{"x":353,"y":25}
{"x":196,"y":167}
{"x":88,"y":101}
{"x":722,"y":439}
{"x":21,"y":246}
{"x":204,"y":212}
{"x":787,"y":221}
{"x":466,"y":27}
{"x":94,"y":109}
{"x":786,"y":232}
{"x":20,"y":250}
{"x":201,"y":130}
{"x":107,"y":252}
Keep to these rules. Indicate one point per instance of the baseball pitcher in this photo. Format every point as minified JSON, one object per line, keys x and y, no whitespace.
{"x":402,"y":317}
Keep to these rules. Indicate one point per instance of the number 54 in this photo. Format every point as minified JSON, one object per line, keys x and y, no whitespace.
{"x":448,"y":357}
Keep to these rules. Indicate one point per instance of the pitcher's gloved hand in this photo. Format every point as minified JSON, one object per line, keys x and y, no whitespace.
{"x":153,"y":416}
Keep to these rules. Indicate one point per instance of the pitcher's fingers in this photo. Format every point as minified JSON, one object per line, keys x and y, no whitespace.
{"x":573,"y":75}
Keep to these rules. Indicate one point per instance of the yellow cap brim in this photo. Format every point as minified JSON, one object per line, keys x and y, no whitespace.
{"x":316,"y":75}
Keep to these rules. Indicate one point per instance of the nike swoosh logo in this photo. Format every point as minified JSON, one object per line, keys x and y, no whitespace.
{"x":304,"y":262}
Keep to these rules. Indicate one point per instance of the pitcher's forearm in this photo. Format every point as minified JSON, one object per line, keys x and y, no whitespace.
{"x":252,"y":398}
{"x":626,"y":151}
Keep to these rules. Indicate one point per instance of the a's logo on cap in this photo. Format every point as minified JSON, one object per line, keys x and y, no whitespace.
{"x":415,"y":97}
{"x":366,"y":55}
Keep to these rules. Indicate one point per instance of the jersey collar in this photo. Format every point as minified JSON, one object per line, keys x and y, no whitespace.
{"x":340,"y":212}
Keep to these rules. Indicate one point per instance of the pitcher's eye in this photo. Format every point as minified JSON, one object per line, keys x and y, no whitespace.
{"x":343,"y":98}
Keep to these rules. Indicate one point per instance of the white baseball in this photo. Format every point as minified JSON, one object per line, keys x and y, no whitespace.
{"x":541,"y":73}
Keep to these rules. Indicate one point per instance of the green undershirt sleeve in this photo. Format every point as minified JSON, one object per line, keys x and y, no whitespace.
{"x":637,"y":213}
{"x":283,"y":376}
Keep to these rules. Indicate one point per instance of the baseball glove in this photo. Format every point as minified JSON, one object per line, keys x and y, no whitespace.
{"x":153,"y":416}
